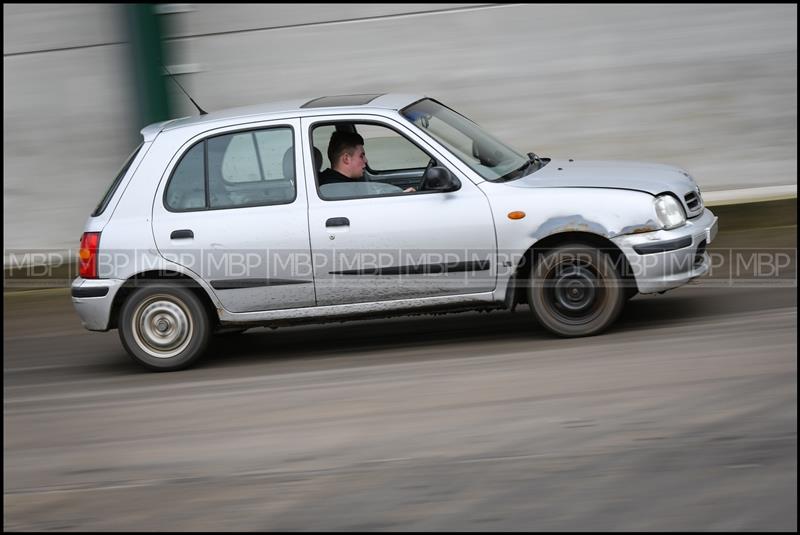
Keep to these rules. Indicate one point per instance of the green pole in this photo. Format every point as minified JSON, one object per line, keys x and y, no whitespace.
{"x":148,"y":57}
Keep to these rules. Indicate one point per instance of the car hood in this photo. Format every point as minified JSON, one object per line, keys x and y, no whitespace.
{"x":647,"y":177}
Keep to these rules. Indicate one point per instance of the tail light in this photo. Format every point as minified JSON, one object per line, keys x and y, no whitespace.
{"x":87,"y":256}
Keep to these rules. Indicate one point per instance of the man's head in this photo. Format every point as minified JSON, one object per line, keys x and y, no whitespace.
{"x":346,"y":153}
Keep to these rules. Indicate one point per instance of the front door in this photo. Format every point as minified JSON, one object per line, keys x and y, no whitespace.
{"x":371,"y":241}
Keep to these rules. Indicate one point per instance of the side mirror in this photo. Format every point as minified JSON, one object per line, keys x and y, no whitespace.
{"x":439,"y":179}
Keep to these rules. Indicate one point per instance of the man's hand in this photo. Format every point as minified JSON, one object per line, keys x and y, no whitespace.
{"x":409,"y":190}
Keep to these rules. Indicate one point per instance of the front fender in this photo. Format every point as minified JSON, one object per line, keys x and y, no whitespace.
{"x":603,"y":212}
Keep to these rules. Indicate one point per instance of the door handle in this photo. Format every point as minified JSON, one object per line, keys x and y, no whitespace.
{"x":181,"y":234}
{"x":337,"y":222}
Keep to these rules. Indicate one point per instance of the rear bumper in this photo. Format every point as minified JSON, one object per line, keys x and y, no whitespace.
{"x":666,"y":259}
{"x":92,"y":299}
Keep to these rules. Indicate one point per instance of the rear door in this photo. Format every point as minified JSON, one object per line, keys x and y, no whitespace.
{"x":233,"y":209}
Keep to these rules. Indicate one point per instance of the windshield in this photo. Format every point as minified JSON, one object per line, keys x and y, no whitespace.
{"x":487,"y":156}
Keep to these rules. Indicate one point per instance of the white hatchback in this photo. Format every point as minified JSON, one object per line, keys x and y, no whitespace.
{"x":219,"y":223}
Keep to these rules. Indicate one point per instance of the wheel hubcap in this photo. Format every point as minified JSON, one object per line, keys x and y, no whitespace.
{"x":162,"y":326}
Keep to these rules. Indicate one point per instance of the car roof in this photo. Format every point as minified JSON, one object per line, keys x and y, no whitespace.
{"x":290,"y":108}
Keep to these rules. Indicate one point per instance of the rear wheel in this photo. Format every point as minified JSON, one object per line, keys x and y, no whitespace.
{"x":576,"y":290}
{"x":164,"y":328}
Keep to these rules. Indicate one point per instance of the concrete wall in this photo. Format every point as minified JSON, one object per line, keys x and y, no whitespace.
{"x":67,"y":117}
{"x":712,"y":88}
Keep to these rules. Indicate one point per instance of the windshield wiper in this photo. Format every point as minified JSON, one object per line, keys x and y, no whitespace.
{"x":521,"y":172}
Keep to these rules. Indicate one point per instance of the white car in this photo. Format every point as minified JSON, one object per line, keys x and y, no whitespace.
{"x":218,"y":223}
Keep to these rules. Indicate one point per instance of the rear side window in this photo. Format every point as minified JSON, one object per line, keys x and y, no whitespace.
{"x":252,"y":168}
{"x":187,"y":189}
{"x":115,"y":184}
{"x":233,"y":159}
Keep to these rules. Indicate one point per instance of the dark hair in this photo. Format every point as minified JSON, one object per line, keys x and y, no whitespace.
{"x":342,"y":142}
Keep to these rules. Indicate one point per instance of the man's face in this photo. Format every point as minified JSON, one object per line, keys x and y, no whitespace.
{"x":353,"y":164}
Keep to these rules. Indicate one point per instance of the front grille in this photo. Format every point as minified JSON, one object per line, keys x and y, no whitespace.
{"x":693,"y":202}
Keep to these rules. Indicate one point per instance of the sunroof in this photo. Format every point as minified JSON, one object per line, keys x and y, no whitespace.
{"x":341,"y":100}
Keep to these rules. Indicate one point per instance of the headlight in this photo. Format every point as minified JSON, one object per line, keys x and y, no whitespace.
{"x":669,"y":211}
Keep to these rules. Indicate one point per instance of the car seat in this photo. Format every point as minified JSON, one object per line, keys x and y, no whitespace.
{"x":317,"y":160}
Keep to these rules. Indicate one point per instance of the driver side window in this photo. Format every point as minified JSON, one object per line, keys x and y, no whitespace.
{"x":388,"y":151}
{"x":394,"y":163}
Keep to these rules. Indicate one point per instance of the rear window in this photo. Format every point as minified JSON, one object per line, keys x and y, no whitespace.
{"x":113,"y":187}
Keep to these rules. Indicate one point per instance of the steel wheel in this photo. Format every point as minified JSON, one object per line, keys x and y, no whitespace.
{"x":576,"y":290}
{"x":164,"y":328}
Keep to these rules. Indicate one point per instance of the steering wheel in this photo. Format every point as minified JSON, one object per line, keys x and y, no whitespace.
{"x":431,"y":163}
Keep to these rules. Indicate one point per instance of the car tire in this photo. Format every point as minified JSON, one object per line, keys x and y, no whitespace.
{"x":576,"y":290}
{"x":164,"y":328}
{"x":631,"y":290}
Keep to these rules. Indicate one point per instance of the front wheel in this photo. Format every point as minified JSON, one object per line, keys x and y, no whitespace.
{"x":576,"y":290}
{"x":164,"y":328}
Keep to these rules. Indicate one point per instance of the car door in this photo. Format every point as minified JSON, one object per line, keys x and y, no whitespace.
{"x":382,"y":244}
{"x":232,"y":208}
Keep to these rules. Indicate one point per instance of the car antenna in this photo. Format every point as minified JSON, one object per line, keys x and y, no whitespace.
{"x":202,"y":112}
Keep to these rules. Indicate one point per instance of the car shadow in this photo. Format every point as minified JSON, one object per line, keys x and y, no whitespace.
{"x":434,"y":333}
{"x":450,"y":335}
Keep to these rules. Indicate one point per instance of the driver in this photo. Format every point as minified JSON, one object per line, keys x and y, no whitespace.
{"x":348,"y":159}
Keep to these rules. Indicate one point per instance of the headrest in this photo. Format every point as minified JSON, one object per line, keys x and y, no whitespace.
{"x":317,"y":159}
{"x":288,"y":163}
